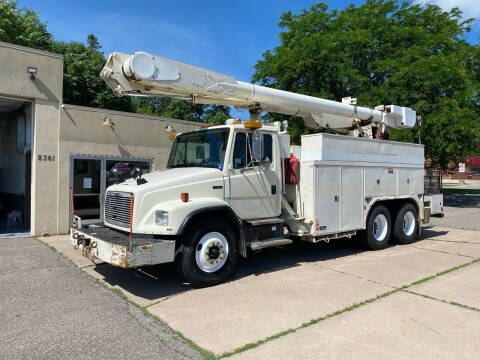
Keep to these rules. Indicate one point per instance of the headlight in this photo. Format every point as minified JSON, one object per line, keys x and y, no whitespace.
{"x":161,"y":217}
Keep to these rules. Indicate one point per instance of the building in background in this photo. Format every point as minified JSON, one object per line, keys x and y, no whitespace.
{"x":471,"y":169}
{"x":48,"y":148}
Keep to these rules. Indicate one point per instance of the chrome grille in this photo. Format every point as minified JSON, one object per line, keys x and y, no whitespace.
{"x":117,"y":208}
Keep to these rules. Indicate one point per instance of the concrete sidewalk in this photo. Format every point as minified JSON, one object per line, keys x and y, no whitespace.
{"x":321,"y":299}
{"x":399,"y":326}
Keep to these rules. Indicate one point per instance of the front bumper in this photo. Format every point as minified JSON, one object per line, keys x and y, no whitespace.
{"x":97,"y":241}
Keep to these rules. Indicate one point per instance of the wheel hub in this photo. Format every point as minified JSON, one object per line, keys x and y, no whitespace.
{"x":212,"y":252}
{"x":380,"y":227}
{"x":408,"y":223}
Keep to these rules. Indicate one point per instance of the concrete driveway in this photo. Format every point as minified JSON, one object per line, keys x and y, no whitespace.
{"x":308,"y":301}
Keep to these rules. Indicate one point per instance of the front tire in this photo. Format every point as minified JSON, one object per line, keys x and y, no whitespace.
{"x":406,"y":224}
{"x":210,"y":253}
{"x":379,"y":226}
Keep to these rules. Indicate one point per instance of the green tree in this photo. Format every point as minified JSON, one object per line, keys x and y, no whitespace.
{"x":181,"y":109}
{"x":92,"y":42}
{"x":22,"y":26}
{"x":383,"y":52}
{"x":216,"y":114}
{"x":82,"y":84}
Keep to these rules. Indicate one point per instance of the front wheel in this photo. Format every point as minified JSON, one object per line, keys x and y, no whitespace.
{"x":379,"y":224}
{"x":209,"y":254}
{"x":406,"y":224}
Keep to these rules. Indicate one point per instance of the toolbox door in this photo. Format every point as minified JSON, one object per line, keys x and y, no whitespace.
{"x":352,"y":202}
{"x":327,"y":198}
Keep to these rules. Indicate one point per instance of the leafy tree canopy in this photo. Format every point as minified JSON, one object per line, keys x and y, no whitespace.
{"x":82,"y":84}
{"x":22,"y":26}
{"x":92,"y":42}
{"x":385,"y":53}
{"x":181,"y":109}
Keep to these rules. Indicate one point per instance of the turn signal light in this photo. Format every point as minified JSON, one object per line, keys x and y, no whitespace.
{"x":184,"y":197}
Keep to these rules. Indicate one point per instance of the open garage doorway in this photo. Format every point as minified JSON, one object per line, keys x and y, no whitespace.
{"x":16,"y":140}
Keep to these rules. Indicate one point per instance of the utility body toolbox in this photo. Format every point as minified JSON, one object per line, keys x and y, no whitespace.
{"x":341,"y":177}
{"x":114,"y":247}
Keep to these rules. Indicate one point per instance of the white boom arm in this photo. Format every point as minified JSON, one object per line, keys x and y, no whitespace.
{"x":151,"y":75}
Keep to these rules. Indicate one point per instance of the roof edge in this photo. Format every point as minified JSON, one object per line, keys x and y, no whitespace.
{"x":136,"y":115}
{"x":31,"y":50}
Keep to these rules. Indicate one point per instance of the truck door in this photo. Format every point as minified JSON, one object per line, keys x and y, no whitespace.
{"x":254,"y":186}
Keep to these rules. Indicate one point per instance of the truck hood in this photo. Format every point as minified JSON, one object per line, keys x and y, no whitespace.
{"x":162,"y":192}
{"x":167,"y":178}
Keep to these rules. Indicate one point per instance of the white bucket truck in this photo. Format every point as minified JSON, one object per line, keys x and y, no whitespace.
{"x":236,"y":186}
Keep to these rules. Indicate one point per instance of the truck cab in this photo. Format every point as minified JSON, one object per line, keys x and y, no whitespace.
{"x":213,"y":168}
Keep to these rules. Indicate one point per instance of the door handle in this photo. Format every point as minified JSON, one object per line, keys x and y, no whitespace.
{"x":274,"y":189}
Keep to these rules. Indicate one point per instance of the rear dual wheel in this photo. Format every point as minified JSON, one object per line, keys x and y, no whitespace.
{"x":406,"y":224}
{"x":380,"y":227}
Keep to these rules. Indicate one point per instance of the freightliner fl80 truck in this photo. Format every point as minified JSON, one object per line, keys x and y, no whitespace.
{"x":240,"y":186}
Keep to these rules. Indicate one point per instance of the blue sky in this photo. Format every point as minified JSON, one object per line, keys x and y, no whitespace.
{"x":224,"y":36}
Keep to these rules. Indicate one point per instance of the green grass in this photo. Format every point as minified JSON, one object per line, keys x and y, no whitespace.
{"x":443,"y":272}
{"x":444,"y":301}
{"x":50,"y":246}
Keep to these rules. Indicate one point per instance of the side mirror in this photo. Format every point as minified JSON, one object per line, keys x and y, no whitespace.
{"x":136,"y":173}
{"x":265,"y":163}
{"x":257,"y":146}
{"x":114,"y":175}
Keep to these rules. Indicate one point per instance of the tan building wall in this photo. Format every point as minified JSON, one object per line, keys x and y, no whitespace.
{"x":62,"y":130}
{"x":44,"y":174}
{"x":15,"y":80}
{"x":45,"y":93}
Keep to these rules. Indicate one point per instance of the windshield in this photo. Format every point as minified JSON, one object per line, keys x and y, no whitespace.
{"x":205,"y":148}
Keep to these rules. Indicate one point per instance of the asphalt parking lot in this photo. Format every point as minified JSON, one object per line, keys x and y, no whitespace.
{"x":52,"y":310}
{"x":305,"y":301}
{"x":462,"y":211}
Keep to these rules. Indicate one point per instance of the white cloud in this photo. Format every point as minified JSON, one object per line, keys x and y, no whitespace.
{"x":470,"y":8}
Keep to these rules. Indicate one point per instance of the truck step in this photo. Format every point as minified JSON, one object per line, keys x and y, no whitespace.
{"x":299,"y":219}
{"x":268,"y":221}
{"x":277,"y":241}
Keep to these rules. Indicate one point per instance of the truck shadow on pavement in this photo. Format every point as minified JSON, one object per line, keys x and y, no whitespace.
{"x":151,"y":282}
{"x":429,"y":232}
{"x":158,"y":282}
